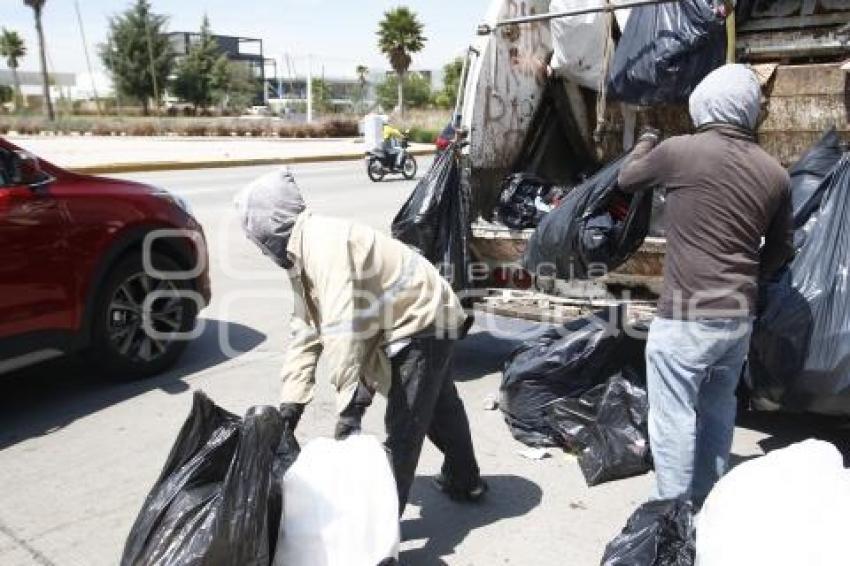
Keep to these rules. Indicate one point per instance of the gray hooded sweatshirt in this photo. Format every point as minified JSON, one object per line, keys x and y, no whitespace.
{"x":724,"y":194}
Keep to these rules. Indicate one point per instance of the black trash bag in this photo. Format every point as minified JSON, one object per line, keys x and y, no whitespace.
{"x":800,"y":349}
{"x":212,"y":502}
{"x":563,"y":362}
{"x":525,"y":199}
{"x":808,"y":173}
{"x":659,"y":533}
{"x":435,"y":220}
{"x":607,"y":428}
{"x":665,"y":51}
{"x":595,"y":229}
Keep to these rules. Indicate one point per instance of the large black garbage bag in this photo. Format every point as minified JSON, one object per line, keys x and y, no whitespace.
{"x":808,"y":173}
{"x":659,"y":533}
{"x":435,"y":220}
{"x":607,"y":428}
{"x":800,"y":349}
{"x":562,"y":362}
{"x":211,"y":504}
{"x":525,"y":199}
{"x":665,"y":51}
{"x":595,"y":229}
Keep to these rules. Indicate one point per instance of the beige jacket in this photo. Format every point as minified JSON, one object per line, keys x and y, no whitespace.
{"x":355,"y":292}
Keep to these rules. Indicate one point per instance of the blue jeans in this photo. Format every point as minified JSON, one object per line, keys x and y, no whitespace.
{"x":693,"y":368}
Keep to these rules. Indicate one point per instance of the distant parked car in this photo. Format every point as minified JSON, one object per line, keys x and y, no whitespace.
{"x":446,"y":137}
{"x":113,"y":269}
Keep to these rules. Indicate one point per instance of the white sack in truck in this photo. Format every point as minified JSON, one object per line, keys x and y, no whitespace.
{"x":579,"y":41}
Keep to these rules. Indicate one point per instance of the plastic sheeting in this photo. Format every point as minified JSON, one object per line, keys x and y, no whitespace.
{"x":595,"y":229}
{"x":800,"y":349}
{"x":659,"y":533}
{"x":214,"y":502}
{"x":525,"y":200}
{"x":665,"y":51}
{"x":784,"y":509}
{"x":808,"y":174}
{"x":607,"y":427}
{"x":566,"y":361}
{"x":435,"y":220}
{"x":341,"y":506}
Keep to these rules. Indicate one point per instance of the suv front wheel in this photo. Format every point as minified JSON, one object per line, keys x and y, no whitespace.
{"x":141,"y":321}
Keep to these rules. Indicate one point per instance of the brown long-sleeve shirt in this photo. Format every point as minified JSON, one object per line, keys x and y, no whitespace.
{"x":724,"y":194}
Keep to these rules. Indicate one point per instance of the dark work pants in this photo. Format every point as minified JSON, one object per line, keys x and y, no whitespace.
{"x":423,"y":400}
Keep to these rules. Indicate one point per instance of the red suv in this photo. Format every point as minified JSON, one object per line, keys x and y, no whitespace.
{"x":114,"y":269}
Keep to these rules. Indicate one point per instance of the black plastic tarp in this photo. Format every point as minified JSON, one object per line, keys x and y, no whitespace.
{"x":435,"y":219}
{"x":566,"y":361}
{"x":659,"y":533}
{"x":800,"y":349}
{"x":217,"y":500}
{"x":607,"y":428}
{"x":595,"y":228}
{"x":665,"y":51}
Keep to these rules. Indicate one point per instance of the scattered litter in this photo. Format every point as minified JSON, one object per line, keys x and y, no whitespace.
{"x":534,"y":453}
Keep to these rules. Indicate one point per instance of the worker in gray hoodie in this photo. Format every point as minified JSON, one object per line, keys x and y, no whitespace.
{"x":725,"y":196}
{"x":358,"y":296}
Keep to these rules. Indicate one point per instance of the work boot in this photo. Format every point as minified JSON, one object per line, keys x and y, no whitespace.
{"x":461,"y":493}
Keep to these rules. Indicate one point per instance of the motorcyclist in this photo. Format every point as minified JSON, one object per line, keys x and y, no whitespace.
{"x":392,"y":143}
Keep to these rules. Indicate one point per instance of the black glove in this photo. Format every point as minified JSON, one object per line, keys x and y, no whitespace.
{"x":288,"y":448}
{"x":351,"y":416}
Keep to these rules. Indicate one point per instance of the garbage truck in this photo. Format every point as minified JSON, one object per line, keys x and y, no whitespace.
{"x":534,"y":98}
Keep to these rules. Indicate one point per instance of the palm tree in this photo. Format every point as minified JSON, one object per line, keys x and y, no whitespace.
{"x":12,"y":47}
{"x":37,"y":7}
{"x":400,"y":35}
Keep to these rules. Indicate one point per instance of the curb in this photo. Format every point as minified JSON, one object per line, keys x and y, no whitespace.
{"x":153,"y":166}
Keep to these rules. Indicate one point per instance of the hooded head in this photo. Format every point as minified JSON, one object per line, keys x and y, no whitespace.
{"x":268,"y":208}
{"x":728,"y":95}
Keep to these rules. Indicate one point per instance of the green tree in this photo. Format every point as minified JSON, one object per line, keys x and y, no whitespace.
{"x":362,"y":72}
{"x":322,"y":99}
{"x":234,"y":85}
{"x":193,"y":81}
{"x":37,"y":10}
{"x":417,"y":91}
{"x":137,"y":54}
{"x":400,"y":36}
{"x":7,"y":94}
{"x":13,"y":49}
{"x":451,"y":82}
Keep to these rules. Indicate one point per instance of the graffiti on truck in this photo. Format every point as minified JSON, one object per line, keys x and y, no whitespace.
{"x":515,"y":76}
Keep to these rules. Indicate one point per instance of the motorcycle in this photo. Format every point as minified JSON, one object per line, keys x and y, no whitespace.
{"x":379,"y":164}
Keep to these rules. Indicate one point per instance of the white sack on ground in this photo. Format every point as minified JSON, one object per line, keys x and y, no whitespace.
{"x":340,"y":506}
{"x":790,"y":507}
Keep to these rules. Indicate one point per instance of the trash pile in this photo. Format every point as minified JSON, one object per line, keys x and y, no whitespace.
{"x":582,"y":387}
{"x":595,"y":229}
{"x":800,"y":350}
{"x":227,"y":495}
{"x":434,"y":220}
{"x":659,"y":533}
{"x":525,"y":199}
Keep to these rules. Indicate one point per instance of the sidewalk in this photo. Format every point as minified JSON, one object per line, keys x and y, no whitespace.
{"x":103,"y":155}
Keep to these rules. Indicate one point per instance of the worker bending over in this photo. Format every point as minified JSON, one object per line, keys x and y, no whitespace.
{"x":358,"y":294}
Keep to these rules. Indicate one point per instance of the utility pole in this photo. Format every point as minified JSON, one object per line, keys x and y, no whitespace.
{"x":309,"y":89}
{"x":88,"y":58}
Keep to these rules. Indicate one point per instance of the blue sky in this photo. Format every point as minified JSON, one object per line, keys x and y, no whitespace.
{"x":339,"y":33}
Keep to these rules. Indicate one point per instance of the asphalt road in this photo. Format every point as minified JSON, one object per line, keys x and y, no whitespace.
{"x":78,"y":454}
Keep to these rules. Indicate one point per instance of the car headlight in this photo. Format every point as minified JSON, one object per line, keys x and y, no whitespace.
{"x":176,"y":200}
